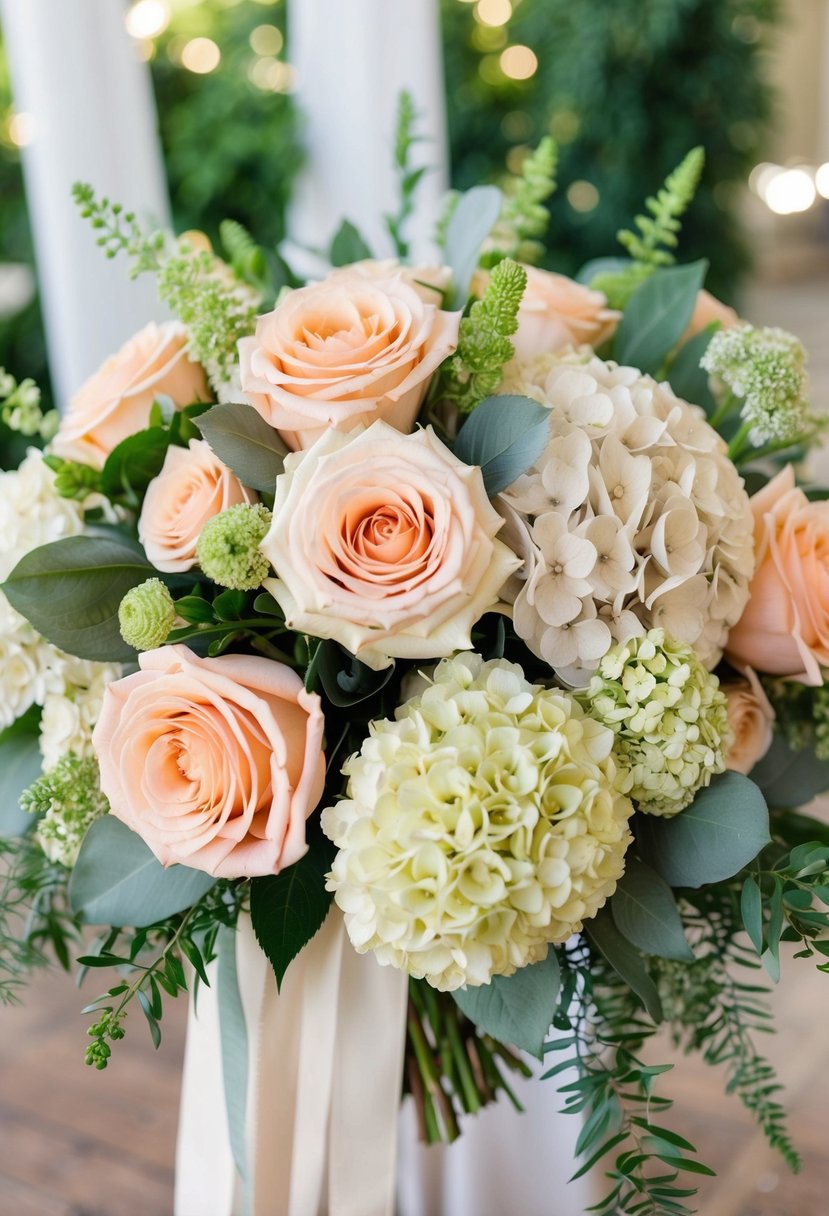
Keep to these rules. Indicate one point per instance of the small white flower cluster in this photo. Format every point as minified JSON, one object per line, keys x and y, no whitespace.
{"x":66,"y":800}
{"x":633,"y":517}
{"x":70,"y":713}
{"x":479,"y":827}
{"x":766,"y":368}
{"x":32,"y":513}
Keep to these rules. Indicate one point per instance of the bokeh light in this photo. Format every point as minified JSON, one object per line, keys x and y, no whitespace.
{"x":822,"y":180}
{"x":518,"y":62}
{"x":582,"y":196}
{"x":266,"y":40}
{"x":147,"y":18}
{"x":791,"y":191}
{"x":21,"y":128}
{"x":200,"y":55}
{"x":493,"y":12}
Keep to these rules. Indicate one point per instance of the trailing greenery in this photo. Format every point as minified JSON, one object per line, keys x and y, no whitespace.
{"x":802,"y":714}
{"x":524,"y":217}
{"x":35,"y":917}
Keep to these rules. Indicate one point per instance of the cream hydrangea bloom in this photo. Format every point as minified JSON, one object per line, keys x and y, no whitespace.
{"x":32,"y":513}
{"x":633,"y":517}
{"x":480,"y":826}
{"x":669,"y":716}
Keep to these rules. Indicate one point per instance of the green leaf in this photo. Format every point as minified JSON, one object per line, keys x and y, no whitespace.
{"x":625,"y":959}
{"x":504,"y":436}
{"x":118,"y":881}
{"x":348,"y":246}
{"x":516,"y":1009}
{"x":344,"y":679}
{"x":20,"y":765}
{"x":233,"y":1034}
{"x":657,"y":316}
{"x":600,"y":266}
{"x":789,"y":778}
{"x":70,"y":590}
{"x":473,"y":218}
{"x":688,"y":380}
{"x":723,"y":829}
{"x":133,"y":463}
{"x":241,"y":437}
{"x":645,"y":912}
{"x":751,"y":909}
{"x":287,"y":909}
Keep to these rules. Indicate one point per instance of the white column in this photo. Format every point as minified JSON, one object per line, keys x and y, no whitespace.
{"x":353,"y":58}
{"x":77,"y":76}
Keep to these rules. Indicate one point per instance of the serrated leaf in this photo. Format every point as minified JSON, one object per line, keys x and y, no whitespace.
{"x":20,"y":765}
{"x":118,"y":881}
{"x":516,"y":1009}
{"x":645,"y":912}
{"x":287,"y":909}
{"x":348,"y":246}
{"x":70,"y":591}
{"x":473,"y":218}
{"x":241,"y":437}
{"x":723,"y":830}
{"x":657,"y":315}
{"x":504,"y":436}
{"x":625,"y":959}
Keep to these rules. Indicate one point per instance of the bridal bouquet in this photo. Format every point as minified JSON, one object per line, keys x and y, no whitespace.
{"x":481,"y":603}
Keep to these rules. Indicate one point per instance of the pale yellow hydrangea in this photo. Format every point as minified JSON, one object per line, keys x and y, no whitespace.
{"x":670,"y":718}
{"x":480,"y":826}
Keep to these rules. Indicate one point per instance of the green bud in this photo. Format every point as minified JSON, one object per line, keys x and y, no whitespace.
{"x":73,"y":480}
{"x":146,"y":615}
{"x":228,"y":548}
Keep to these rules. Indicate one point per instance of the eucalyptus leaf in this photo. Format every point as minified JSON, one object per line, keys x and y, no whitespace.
{"x":504,"y":436}
{"x":348,"y":246}
{"x":20,"y":765}
{"x":600,"y":266}
{"x":475,"y":215}
{"x":118,"y":881}
{"x":645,"y":912}
{"x":688,"y":380}
{"x":751,"y":910}
{"x":516,"y":1009}
{"x":70,"y":591}
{"x":657,"y":315}
{"x":723,"y":829}
{"x":233,"y":1035}
{"x":287,"y":909}
{"x":241,"y":437}
{"x":789,"y":778}
{"x":625,"y":959}
{"x":344,"y":679}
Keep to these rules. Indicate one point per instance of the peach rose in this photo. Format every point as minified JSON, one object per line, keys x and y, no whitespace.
{"x":385,"y":542}
{"x":707,"y":310}
{"x":556,"y":312}
{"x":191,"y":488}
{"x":115,"y":402}
{"x":751,"y":721}
{"x":430,"y":282}
{"x":349,"y":350}
{"x":785,"y":627}
{"x":215,"y":763}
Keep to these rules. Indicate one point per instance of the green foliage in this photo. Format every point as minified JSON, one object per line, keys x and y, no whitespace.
{"x":118,"y":231}
{"x":785,"y":903}
{"x":34,"y":914}
{"x":240,"y":437}
{"x":472,"y":219}
{"x":504,"y":436}
{"x":347,"y":246}
{"x":791,"y":776}
{"x":645,"y":912}
{"x":20,"y":765}
{"x":408,"y":177}
{"x":230,"y":618}
{"x":516,"y":1009}
{"x":524,"y":218}
{"x":476,"y":369}
{"x":626,"y":960}
{"x":802,"y":717}
{"x":20,"y":408}
{"x":657,"y":316}
{"x":246,"y":258}
{"x":686,"y":376}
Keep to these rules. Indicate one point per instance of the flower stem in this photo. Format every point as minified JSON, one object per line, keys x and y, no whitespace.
{"x":739,"y":442}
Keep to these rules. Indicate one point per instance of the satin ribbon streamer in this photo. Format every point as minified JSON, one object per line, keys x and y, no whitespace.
{"x":325,"y":1061}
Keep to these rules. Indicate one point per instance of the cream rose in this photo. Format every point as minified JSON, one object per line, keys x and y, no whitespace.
{"x":385,"y":542}
{"x":784,"y":629}
{"x":430,"y":282}
{"x":707,"y":310}
{"x":215,"y":763}
{"x":115,"y":402}
{"x":750,"y":720}
{"x":191,"y":488}
{"x":349,"y":350}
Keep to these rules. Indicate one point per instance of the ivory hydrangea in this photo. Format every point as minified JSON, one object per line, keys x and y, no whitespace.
{"x":633,"y":517}
{"x":670,"y":718}
{"x":480,"y":826}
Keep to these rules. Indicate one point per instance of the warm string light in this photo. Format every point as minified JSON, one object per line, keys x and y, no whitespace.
{"x":792,"y":190}
{"x":518,"y":62}
{"x":20,"y":128}
{"x":200,"y":55}
{"x":147,"y":18}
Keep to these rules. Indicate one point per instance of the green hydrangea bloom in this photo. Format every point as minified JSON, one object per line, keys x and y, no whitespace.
{"x":669,"y":716}
{"x":67,"y":799}
{"x":766,"y":368}
{"x":146,"y":615}
{"x":228,"y":548}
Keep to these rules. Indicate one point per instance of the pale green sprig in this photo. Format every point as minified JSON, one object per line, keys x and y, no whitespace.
{"x":228,"y":548}
{"x":66,"y":799}
{"x":119,"y":231}
{"x":766,"y":369}
{"x":476,"y":369}
{"x":669,"y":716}
{"x":408,"y":176}
{"x":146,"y":615}
{"x":524,"y":217}
{"x":20,"y":408}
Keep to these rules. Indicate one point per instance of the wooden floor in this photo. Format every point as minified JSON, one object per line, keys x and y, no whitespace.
{"x":76,"y":1142}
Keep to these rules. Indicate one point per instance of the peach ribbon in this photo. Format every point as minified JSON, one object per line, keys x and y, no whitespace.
{"x":324,"y":1074}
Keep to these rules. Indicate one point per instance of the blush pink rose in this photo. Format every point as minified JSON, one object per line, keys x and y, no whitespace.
{"x":785,"y":627}
{"x":191,"y":488}
{"x":115,"y":402}
{"x":750,"y":720}
{"x":385,"y":542}
{"x":352,"y":349}
{"x":707,"y":310}
{"x":215,"y":763}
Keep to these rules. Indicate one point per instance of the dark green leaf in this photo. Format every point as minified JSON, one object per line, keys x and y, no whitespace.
{"x":344,"y":679}
{"x":287,"y":909}
{"x":516,"y":1009}
{"x":241,"y":437}
{"x":645,"y":912}
{"x":195,"y":610}
{"x":70,"y":590}
{"x":751,"y":909}
{"x":625,"y":959}
{"x":475,"y":215}
{"x":657,"y":316}
{"x":504,"y":436}
{"x":688,"y":380}
{"x":723,"y":829}
{"x":789,"y":778}
{"x":348,"y":246}
{"x":118,"y":881}
{"x":228,"y":605}
{"x":133,"y":463}
{"x":20,"y":765}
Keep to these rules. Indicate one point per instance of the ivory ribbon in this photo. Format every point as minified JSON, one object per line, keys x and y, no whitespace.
{"x":324,"y":1075}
